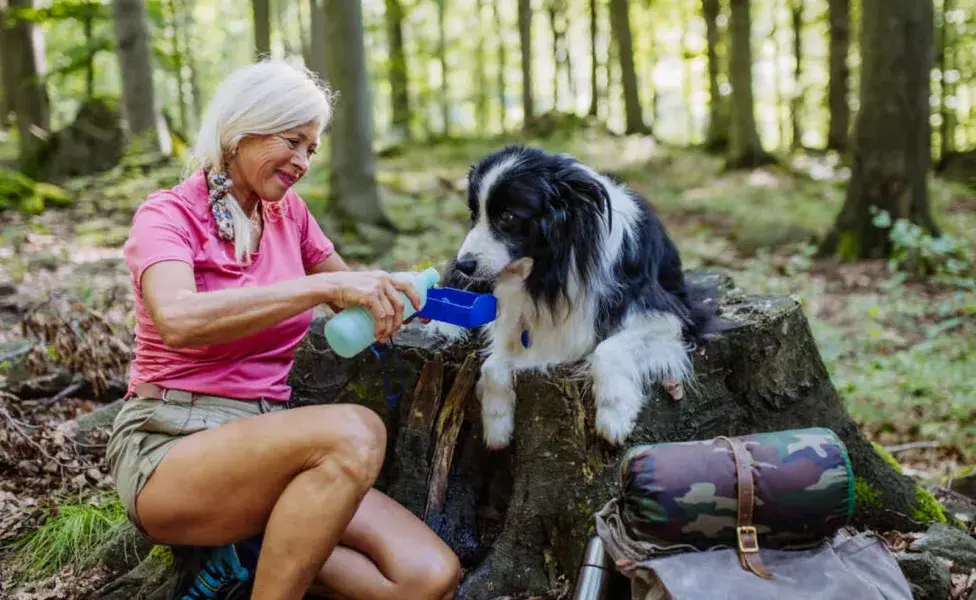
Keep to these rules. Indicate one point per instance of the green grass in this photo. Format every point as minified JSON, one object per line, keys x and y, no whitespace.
{"x":74,"y":535}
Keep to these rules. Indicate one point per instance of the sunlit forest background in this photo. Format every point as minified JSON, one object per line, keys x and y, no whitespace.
{"x":823,"y":149}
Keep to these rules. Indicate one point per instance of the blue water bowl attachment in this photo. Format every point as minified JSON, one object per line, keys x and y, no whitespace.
{"x":459,"y":307}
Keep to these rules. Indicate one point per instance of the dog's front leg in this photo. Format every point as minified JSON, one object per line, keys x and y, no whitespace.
{"x":496,"y":391}
{"x":647,"y":348}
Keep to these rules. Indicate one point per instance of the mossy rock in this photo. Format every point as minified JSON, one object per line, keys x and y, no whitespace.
{"x":31,"y":205}
{"x":92,"y":143}
{"x":19,"y":191}
{"x":53,"y":195}
{"x":14,"y":186}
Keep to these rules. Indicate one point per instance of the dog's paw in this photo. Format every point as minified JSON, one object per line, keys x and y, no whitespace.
{"x":613,"y":424}
{"x":498,"y":429}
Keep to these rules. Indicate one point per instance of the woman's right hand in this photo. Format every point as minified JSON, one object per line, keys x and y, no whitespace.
{"x":376,"y":291}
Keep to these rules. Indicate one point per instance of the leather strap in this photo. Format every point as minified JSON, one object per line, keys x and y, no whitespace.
{"x":748,"y":538}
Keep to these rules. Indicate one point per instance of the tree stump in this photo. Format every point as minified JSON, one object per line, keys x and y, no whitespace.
{"x":519,"y":518}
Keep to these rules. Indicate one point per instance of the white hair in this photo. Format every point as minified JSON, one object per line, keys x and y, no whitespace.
{"x":258,"y":99}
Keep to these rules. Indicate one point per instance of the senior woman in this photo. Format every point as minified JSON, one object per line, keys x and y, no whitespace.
{"x":226,"y":268}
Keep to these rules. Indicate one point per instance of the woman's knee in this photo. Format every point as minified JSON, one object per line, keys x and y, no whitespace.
{"x":439,"y":578}
{"x":356,"y":442}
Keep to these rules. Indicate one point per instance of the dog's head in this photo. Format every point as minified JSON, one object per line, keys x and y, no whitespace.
{"x":534,"y":215}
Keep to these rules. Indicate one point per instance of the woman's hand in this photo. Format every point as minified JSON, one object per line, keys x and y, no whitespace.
{"x":376,"y":291}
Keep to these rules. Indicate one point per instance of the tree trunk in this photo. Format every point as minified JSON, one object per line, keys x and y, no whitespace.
{"x":355,"y":194}
{"x":281,"y":22}
{"x":87,"y":24}
{"x":7,"y":77}
{"x":620,"y":24}
{"x":178,"y":54}
{"x":796,"y":102}
{"x":445,"y":95}
{"x":317,"y":39}
{"x":594,"y":61}
{"x":261,"y":12}
{"x":689,"y":75}
{"x":717,"y":138}
{"x":144,"y":116}
{"x":891,"y":144}
{"x":481,"y":95}
{"x":554,"y":28}
{"x":25,"y":44}
{"x":781,"y":99}
{"x":839,"y":73}
{"x":745,"y":149}
{"x":304,"y":30}
{"x":525,"y":44}
{"x":519,"y":518}
{"x":502,"y":62}
{"x":947,"y":65}
{"x":399,"y":88}
{"x":186,"y":8}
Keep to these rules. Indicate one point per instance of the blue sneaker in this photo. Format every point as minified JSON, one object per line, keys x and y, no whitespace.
{"x":225,"y":569}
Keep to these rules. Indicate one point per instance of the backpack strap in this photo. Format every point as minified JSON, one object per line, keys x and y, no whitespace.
{"x":746,"y":533}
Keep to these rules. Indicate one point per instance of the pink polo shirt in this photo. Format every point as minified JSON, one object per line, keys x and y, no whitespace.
{"x":176,"y":224}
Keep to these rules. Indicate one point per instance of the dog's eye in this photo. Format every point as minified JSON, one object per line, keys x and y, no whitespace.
{"x":506,"y":218}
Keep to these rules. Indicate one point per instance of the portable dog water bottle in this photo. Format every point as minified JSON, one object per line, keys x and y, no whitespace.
{"x":459,"y":307}
{"x":353,"y":329}
{"x":593,"y":582}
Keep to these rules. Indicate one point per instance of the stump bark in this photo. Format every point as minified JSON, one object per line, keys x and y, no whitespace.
{"x":519,"y":518}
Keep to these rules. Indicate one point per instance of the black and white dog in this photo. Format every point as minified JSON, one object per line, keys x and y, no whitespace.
{"x":584,"y":272}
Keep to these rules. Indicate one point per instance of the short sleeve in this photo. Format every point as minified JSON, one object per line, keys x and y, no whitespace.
{"x":160,"y":231}
{"x":316,"y":247}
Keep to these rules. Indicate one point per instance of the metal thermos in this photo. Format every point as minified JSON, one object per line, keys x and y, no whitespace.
{"x":593,"y":581}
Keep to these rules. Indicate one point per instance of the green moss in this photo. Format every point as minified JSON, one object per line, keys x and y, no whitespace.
{"x":31,"y":205}
{"x":162,"y":554}
{"x":865,"y":495}
{"x":359,"y":389}
{"x":887,"y":457}
{"x":927,"y":508}
{"x":849,"y":246}
{"x":53,"y":195}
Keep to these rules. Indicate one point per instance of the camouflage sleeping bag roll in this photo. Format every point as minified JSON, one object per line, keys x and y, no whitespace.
{"x":686,"y":493}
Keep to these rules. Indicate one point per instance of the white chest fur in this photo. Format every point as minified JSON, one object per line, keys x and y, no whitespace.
{"x":565,"y":337}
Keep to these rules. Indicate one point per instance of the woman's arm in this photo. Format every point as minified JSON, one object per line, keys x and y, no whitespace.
{"x":330,"y":265}
{"x":185,"y":317}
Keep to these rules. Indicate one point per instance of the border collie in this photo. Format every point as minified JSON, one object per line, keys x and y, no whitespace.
{"x":584,"y":272}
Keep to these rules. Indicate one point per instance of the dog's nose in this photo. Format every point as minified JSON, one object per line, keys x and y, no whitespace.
{"x":467,"y":264}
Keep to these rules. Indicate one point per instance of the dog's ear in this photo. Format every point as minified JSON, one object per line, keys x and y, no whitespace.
{"x":577,"y":184}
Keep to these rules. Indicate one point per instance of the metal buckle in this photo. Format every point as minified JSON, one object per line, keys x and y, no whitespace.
{"x":749,"y":530}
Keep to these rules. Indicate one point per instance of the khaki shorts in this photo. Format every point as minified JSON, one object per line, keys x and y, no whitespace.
{"x":146,"y":428}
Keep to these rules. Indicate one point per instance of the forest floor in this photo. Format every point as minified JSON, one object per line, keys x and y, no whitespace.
{"x":901,"y":351}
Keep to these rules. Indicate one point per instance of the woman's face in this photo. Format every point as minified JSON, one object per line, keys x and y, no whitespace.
{"x":270,"y":164}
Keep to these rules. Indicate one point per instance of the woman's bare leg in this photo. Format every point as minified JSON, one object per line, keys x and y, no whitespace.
{"x":298,"y":476}
{"x":388,"y":553}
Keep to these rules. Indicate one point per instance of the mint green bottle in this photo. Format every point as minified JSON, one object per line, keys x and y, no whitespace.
{"x":352,"y":330}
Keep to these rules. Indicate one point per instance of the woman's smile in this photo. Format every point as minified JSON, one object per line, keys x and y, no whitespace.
{"x":286,"y":179}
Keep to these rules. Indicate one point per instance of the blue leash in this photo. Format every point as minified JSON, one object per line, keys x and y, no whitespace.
{"x":383,"y":352}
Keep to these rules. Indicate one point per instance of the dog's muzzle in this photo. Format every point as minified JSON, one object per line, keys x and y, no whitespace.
{"x":467,"y":264}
